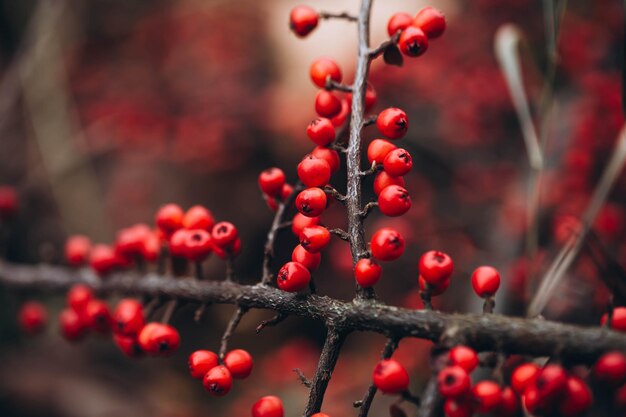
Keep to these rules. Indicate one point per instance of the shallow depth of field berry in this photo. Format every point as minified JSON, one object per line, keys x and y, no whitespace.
{"x":321,"y":209}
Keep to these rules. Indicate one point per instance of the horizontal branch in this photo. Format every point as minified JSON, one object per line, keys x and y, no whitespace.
{"x":534,"y":337}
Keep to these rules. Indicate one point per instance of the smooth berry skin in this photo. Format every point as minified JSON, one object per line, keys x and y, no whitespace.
{"x":314,"y":238}
{"x":453,"y":407}
{"x":293,"y":277}
{"x":224,"y":234}
{"x":198,"y":245}
{"x":413,"y":42}
{"x":159,"y":339}
{"x":367,"y":272}
{"x":218,"y":381}
{"x":32,"y":317}
{"x":151,"y":248}
{"x":384,"y":180}
{"x":324,"y":68}
{"x":524,"y":376}
{"x":394,"y":201}
{"x":339,"y":119}
{"x":577,"y":399}
{"x":311,"y":202}
{"x":73,"y":327}
{"x":509,"y":404}
{"x":378,"y":150}
{"x":435,"y":290}
{"x":387,"y":244}
{"x":77,"y":249}
{"x":399,"y":21}
{"x":435,"y":267}
{"x":198,"y":217}
{"x":431,"y":21}
{"x":300,"y":221}
{"x":239,"y":363}
{"x":327,"y":104}
{"x":200,"y":362}
{"x":271,"y":181}
{"x":531,"y":400}
{"x":551,"y":383}
{"x":321,"y":131}
{"x":302,"y":20}
{"x":310,"y":260}
{"x":169,"y":218}
{"x":286,"y":191}
{"x":610,"y":369}
{"x":463,"y":356}
{"x":485,"y":281}
{"x":329,"y":155}
{"x":313,"y":171}
{"x":78,"y":297}
{"x":128,"y":317}
{"x":453,"y":382}
{"x":128,"y":345}
{"x":103,"y":259}
{"x":98,"y":316}
{"x":177,"y":243}
{"x":487,"y":395}
{"x":390,"y":377}
{"x":398,"y":162}
{"x":129,"y":241}
{"x":393,"y":123}
{"x":269,"y":406}
{"x":8,"y":202}
{"x":618,"y":321}
{"x":320,"y":415}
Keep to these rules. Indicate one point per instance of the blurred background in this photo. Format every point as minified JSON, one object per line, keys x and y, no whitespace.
{"x":111,"y":108}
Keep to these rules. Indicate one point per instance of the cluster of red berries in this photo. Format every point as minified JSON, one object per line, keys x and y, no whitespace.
{"x":217,"y":375}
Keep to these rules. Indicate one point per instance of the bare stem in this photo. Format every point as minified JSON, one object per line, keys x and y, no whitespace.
{"x":230,"y":329}
{"x":344,"y":15}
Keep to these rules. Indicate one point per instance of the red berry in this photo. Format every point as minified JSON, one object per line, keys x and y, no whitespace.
{"x":321,"y":131}
{"x":314,"y":172}
{"x":151,"y":247}
{"x":78,"y":297}
{"x":198,"y":217}
{"x":387,"y":244}
{"x":103,"y":259}
{"x":72,"y":326}
{"x":393,"y":123}
{"x":159,"y":339}
{"x":311,"y":202}
{"x":531,"y":400}
{"x":618,"y":320}
{"x":413,"y":42}
{"x":128,"y":318}
{"x":435,"y":290}
{"x":329,"y":155}
{"x":485,"y":281}
{"x":224,"y":234}
{"x":269,"y":406}
{"x":128,"y":345}
{"x":383,"y":180}
{"x":464,"y":357}
{"x":97,"y":316}
{"x":239,"y":363}
{"x":314,"y":238}
{"x":458,"y":407}
{"x":399,"y":21}
{"x":177,"y":245}
{"x":323,"y":68}
{"x":327,"y":104}
{"x":310,"y":260}
{"x":303,"y":20}
{"x":218,"y":381}
{"x":390,"y":377}
{"x":551,"y":383}
{"x":435,"y":267}
{"x":286,"y":191}
{"x":398,"y":162}
{"x":300,"y":221}
{"x":8,"y":202}
{"x":340,"y":118}
{"x":523,"y":377}
{"x":394,"y":201}
{"x":129,"y":241}
{"x":453,"y":381}
{"x":578,"y":398}
{"x":487,"y":395}
{"x":320,"y":415}
{"x":367,"y":272}
{"x":509,"y":404}
{"x":293,"y":277}
{"x":611,"y":369}
{"x":431,"y":21}
{"x":77,"y":249}
{"x":271,"y":181}
{"x":378,"y":149}
{"x":200,"y":362}
{"x":169,"y":218}
{"x":32,"y":317}
{"x":198,"y":245}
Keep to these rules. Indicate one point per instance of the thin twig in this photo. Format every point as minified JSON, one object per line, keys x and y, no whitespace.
{"x":302,"y":378}
{"x":368,"y":398}
{"x":230,"y":329}
{"x":335,"y":194}
{"x":342,"y":234}
{"x":170,"y":308}
{"x":368,"y":208}
{"x":380,"y":49}
{"x":278,"y":318}
{"x":375,"y":168}
{"x":344,"y":15}
{"x":334,"y":85}
{"x":370,"y":121}
{"x":230,"y":266}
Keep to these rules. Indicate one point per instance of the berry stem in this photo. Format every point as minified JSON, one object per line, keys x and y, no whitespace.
{"x":366,"y":402}
{"x":278,"y":318}
{"x":230,"y":329}
{"x":170,"y":308}
{"x":344,"y":15}
{"x":342,"y":234}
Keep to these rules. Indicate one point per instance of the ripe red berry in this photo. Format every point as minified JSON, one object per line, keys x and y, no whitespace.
{"x":509,"y":404}
{"x":239,"y":363}
{"x":271,"y":181}
{"x":128,"y":318}
{"x":293,"y":277}
{"x":198,"y":217}
{"x":618,"y":320}
{"x":329,"y":155}
{"x":453,"y":381}
{"x":398,"y":162}
{"x":383,"y":180}
{"x":72,"y":326}
{"x":487,"y":395}
{"x":320,"y":415}
{"x":327,"y":104}
{"x":378,"y":149}
{"x":340,"y":118}
{"x":367,"y":272}
{"x":551,"y":383}
{"x":435,"y":267}
{"x":177,"y":243}
{"x":464,"y":357}
{"x":218,"y":381}
{"x":300,"y":221}
{"x":78,"y":297}
{"x":151,"y":248}
{"x":458,"y":407}
{"x":159,"y":339}
{"x":431,"y":21}
{"x":224,"y":234}
{"x":435,"y":290}
{"x":128,"y":345}
{"x":286,"y":191}
{"x":303,"y":20}
{"x":310,"y":260}
{"x":269,"y":406}
{"x":531,"y":400}
{"x":169,"y":218}
{"x":97,"y":316}
{"x":311,"y":202}
{"x":524,"y":376}
{"x":32,"y":317}
{"x":200,"y":362}
{"x":321,"y":131}
{"x":129,"y":241}
{"x":485,"y":281}
{"x":394,"y":201}
{"x":413,"y":42}
{"x":399,"y":21}
{"x":324,"y":68}
{"x":314,"y":238}
{"x":314,"y":172}
{"x":8,"y":202}
{"x":387,"y":244}
{"x":77,"y":249}
{"x":393,"y":123}
{"x":577,"y":399}
{"x":198,"y":245}
{"x":103,"y":259}
{"x":390,"y":377}
{"x":611,"y":369}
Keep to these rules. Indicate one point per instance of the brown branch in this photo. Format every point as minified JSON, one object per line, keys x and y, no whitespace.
{"x":368,"y":208}
{"x":334,"y":85}
{"x":278,"y":318}
{"x":230,"y":329}
{"x":342,"y":234}
{"x":380,"y":49}
{"x":302,"y":378}
{"x":344,"y":15}
{"x":335,"y":194}
{"x":366,"y":402}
